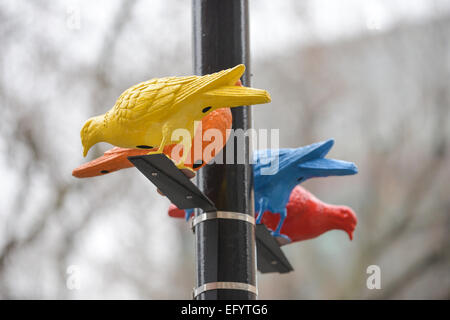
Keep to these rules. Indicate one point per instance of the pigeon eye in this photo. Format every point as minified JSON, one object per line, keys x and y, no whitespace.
{"x":205,"y":110}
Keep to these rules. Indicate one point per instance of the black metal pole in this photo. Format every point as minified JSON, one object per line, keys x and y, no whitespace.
{"x":225,"y":248}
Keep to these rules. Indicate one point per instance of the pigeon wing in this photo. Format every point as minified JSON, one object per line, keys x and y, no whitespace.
{"x":149,"y":99}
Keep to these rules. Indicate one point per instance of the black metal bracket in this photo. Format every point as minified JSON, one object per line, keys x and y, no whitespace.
{"x":270,"y":257}
{"x":163,"y":173}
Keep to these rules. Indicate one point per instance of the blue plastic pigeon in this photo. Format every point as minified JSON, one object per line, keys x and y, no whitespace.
{"x":274,"y":184}
{"x":277,"y":172}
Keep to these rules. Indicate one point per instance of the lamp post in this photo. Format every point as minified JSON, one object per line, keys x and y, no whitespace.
{"x":225,"y":248}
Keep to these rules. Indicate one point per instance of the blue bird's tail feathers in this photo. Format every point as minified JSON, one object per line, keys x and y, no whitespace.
{"x":294,"y":166}
{"x":328,"y":167}
{"x":315,"y":150}
{"x":309,"y":159}
{"x":313,"y":163}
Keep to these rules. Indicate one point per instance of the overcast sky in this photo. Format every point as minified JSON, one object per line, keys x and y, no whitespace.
{"x":329,"y":20}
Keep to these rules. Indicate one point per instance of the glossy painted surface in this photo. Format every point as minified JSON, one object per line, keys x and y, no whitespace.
{"x":116,"y":158}
{"x":307,"y":217}
{"x":147,"y":114}
{"x":272,"y":191}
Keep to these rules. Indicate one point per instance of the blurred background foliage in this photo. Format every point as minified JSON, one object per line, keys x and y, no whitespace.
{"x":375,"y":75}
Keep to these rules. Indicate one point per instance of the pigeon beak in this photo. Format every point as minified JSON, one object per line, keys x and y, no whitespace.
{"x":348,"y":220}
{"x":350,"y":234}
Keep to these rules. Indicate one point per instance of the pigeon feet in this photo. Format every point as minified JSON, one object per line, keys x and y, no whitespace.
{"x":283,"y":237}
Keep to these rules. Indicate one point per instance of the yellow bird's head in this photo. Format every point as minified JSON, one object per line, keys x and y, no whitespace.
{"x":91,"y":133}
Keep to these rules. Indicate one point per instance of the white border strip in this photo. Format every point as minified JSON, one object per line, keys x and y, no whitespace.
{"x":225,"y":285}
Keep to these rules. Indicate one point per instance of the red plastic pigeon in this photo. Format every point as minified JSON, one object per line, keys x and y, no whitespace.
{"x":307,"y":217}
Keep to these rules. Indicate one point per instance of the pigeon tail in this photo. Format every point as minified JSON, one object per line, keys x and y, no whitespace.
{"x":328,"y":167}
{"x":235,"y":96}
{"x":316,"y":150}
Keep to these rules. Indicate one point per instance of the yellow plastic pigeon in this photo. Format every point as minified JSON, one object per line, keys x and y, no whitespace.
{"x":146,"y":114}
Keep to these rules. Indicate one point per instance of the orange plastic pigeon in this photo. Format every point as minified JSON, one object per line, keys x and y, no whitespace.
{"x":117,"y":158}
{"x":307,"y":217}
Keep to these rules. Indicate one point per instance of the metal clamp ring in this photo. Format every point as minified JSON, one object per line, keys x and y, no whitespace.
{"x":222,"y":215}
{"x":225,"y":285}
